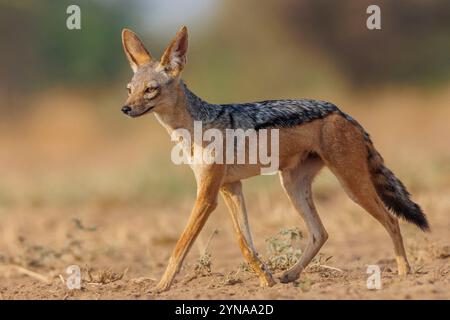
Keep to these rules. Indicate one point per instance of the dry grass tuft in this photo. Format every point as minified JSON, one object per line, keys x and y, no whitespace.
{"x":102,"y":276}
{"x":283,"y":249}
{"x":231,"y":278}
{"x":202,"y":267}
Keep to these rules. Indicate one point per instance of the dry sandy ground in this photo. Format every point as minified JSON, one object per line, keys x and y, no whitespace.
{"x":139,"y":240}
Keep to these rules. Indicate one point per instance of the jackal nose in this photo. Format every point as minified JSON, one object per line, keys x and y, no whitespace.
{"x":126,"y":109}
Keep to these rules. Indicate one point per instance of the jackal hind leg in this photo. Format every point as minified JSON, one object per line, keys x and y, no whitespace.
{"x":345,"y":154}
{"x":297,"y":185}
{"x":360,"y":190}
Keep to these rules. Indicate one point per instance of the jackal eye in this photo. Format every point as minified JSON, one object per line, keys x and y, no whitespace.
{"x":129,"y":89}
{"x":151,"y":89}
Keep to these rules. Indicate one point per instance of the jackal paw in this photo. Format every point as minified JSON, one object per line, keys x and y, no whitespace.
{"x":403,"y":266}
{"x":267,"y":281}
{"x":287,"y":277}
{"x":403,"y":270}
{"x":160,"y":287}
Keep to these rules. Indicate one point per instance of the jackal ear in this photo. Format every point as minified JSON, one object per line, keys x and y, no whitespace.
{"x":174,"y":58}
{"x":134,"y":49}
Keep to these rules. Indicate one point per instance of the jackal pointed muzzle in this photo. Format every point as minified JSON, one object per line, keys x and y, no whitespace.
{"x":137,"y":111}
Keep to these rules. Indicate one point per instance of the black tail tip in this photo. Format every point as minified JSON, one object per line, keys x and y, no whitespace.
{"x":416,"y":216}
{"x":422,"y":223}
{"x":404,"y":208}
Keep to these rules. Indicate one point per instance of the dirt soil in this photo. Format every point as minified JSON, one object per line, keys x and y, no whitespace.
{"x":123,"y":251}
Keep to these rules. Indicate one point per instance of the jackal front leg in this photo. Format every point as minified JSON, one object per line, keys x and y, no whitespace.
{"x":206,"y":202}
{"x":232,"y":194}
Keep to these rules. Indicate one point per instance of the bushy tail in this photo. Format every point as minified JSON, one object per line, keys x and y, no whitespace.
{"x":390,"y":189}
{"x":393,"y":192}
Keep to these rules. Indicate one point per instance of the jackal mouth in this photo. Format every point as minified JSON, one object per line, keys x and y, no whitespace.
{"x":142,"y":113}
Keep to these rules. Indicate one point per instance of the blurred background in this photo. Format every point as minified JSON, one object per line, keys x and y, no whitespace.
{"x":64,"y":138}
{"x":66,"y":147}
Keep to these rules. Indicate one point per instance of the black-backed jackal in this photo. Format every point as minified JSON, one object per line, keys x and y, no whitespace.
{"x":312,"y":134}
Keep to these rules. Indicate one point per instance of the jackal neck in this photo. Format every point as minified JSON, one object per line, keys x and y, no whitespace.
{"x":187,"y":109}
{"x":199,"y":109}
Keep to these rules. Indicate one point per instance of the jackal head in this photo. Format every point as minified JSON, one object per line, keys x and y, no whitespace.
{"x":155,"y":84}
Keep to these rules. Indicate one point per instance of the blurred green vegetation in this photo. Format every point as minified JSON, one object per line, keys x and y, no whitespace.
{"x":412,"y":46}
{"x":38,"y":50}
{"x":245,"y":49}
